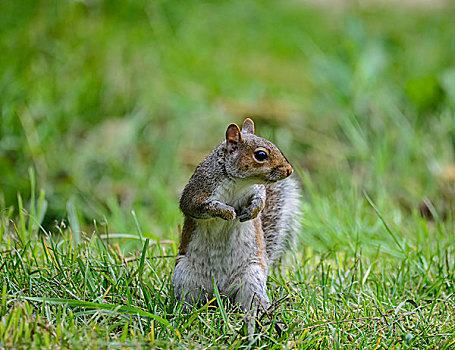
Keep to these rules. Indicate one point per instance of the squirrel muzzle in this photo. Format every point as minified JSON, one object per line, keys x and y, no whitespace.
{"x":280,"y":172}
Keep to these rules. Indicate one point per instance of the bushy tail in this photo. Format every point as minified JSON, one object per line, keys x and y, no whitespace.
{"x":280,"y":217}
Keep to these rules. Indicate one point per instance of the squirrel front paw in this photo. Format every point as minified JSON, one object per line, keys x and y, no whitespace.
{"x":227,"y":213}
{"x":250,"y":213}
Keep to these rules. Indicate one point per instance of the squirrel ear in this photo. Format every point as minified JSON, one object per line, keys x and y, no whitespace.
{"x":233,"y":137}
{"x":248,"y":126}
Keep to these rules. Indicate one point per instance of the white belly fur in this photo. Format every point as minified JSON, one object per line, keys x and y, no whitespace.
{"x":221,"y":248}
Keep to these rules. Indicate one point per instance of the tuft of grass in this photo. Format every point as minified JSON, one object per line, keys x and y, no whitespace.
{"x":392,"y":292}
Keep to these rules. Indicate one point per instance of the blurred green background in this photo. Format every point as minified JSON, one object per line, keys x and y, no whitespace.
{"x":114,"y":103}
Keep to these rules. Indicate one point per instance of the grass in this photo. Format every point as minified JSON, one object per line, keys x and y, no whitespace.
{"x":60,"y":293}
{"x":106,"y":108}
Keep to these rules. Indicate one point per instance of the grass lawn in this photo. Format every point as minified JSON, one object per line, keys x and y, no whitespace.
{"x":106,"y":109}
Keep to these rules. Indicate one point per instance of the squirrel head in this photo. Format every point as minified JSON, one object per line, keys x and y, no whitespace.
{"x":249,"y":156}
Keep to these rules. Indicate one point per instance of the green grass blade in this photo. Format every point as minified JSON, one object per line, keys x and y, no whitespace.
{"x":123,"y":309}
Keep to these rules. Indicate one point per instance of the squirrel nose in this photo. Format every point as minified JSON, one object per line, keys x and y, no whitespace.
{"x":289,"y":170}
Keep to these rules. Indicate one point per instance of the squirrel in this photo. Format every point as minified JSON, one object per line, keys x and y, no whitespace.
{"x":241,"y":210}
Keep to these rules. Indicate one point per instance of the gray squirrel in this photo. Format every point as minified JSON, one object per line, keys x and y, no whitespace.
{"x":241,"y":212}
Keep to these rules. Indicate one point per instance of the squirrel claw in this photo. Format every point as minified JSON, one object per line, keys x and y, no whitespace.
{"x":229,"y":215}
{"x":249,"y":213}
{"x":244,"y":217}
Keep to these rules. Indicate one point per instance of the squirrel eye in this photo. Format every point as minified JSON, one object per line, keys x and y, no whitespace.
{"x":260,"y":155}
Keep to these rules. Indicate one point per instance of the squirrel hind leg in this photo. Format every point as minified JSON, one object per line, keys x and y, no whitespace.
{"x":193,"y":298}
{"x":189,"y":289}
